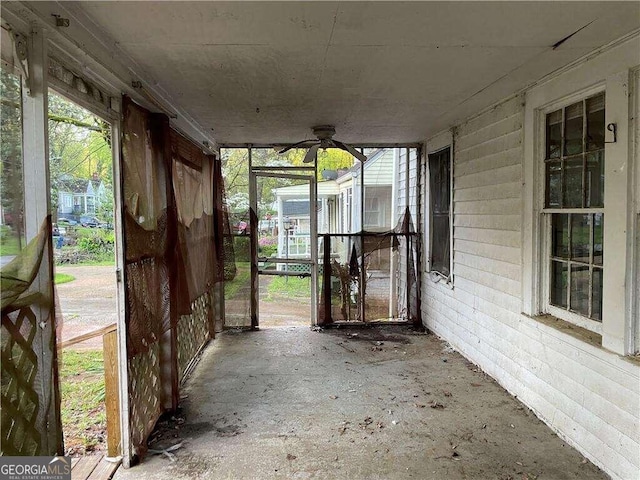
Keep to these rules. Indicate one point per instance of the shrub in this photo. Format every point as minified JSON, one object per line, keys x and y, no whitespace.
{"x":267,"y":246}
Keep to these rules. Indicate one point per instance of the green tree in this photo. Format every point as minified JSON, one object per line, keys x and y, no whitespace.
{"x":11,"y":180}
{"x":79,"y":146}
{"x":235,"y":168}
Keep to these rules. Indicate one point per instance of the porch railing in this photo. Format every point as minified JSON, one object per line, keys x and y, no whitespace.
{"x":109,"y":336}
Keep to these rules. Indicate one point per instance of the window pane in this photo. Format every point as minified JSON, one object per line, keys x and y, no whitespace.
{"x":573,"y":129}
{"x":572,"y":192}
{"x":560,"y":235}
{"x":595,"y":122}
{"x":580,"y":237}
{"x":598,"y":227}
{"x":554,"y":185}
{"x":596,"y":296}
{"x":440,"y":244}
{"x":595,"y":179}
{"x":439,"y":181}
{"x":12,"y":238}
{"x":554,"y":134}
{"x":580,"y":289}
{"x":558,"y":284}
{"x":439,"y":178}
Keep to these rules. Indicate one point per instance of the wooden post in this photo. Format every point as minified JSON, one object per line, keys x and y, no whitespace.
{"x":112,"y":401}
{"x":326,"y":280}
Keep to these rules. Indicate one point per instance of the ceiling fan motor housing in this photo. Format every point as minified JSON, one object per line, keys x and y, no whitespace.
{"x":324,"y":132}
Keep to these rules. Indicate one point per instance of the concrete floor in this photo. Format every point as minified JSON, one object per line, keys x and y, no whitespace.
{"x":386,"y":403}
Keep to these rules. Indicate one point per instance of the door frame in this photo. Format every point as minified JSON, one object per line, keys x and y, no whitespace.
{"x":113,"y":116}
{"x":277,"y":172}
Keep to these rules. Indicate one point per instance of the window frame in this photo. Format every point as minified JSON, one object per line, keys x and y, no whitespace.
{"x":369,"y":210}
{"x":543,"y":239}
{"x":446,"y":143}
{"x":13,"y":69}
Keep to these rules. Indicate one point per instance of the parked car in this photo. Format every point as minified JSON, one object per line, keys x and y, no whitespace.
{"x":91,"y":222}
{"x":67,"y":222}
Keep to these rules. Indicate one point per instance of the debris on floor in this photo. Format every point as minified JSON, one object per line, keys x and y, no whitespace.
{"x":245,"y":398}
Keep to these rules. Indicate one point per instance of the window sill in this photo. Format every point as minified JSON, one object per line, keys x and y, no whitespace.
{"x":584,"y":335}
{"x":575,"y":331}
{"x":437,"y":277}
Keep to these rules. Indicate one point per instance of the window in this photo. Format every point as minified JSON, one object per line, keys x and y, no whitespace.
{"x":12,"y":226}
{"x":440,"y":203}
{"x":371,"y":211}
{"x":574,"y":203}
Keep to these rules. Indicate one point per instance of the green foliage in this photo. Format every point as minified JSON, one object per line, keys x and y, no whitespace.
{"x":105,"y":206}
{"x":235,"y":168}
{"x":60,"y":278}
{"x":82,"y":399}
{"x":242,"y":249}
{"x":79,"y":147}
{"x":89,"y":246}
{"x":241,"y":279}
{"x":288,"y":287}
{"x":11,"y":181}
{"x":267,"y":246}
{"x":96,"y":243}
{"x":10,"y":244}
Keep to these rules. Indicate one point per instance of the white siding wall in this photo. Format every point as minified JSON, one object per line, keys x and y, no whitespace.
{"x":589,"y":396}
{"x":401,"y":192}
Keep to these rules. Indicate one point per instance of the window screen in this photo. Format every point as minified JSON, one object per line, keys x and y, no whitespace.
{"x":440,"y":202}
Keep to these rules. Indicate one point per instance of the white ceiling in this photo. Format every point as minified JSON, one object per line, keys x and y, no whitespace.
{"x":264,"y":72}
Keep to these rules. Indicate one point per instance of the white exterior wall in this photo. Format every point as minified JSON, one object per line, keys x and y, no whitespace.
{"x":405,"y":195}
{"x":588,"y":395}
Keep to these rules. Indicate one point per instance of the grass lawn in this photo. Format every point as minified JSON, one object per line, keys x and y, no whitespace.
{"x":104,"y":262}
{"x":59,"y":278}
{"x":241,"y":279}
{"x":288,"y":287}
{"x":83,"y":410}
{"x":9,"y":245}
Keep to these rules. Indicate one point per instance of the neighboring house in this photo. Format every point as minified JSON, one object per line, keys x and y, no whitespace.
{"x":379,"y":180}
{"x":339,"y":204}
{"x":293,"y":216}
{"x":78,"y":196}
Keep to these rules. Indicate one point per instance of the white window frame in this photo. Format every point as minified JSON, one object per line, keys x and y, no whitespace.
{"x":610,"y":71}
{"x":546,"y":213}
{"x":369,"y":210}
{"x":436,"y":144}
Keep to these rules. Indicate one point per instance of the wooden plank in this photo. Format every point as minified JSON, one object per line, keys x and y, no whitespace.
{"x":74,"y":462}
{"x":496,"y":252}
{"x":511,"y":238}
{"x":501,"y":206}
{"x":490,"y":131}
{"x":112,"y":400}
{"x":511,"y":190}
{"x":104,"y":470}
{"x":84,"y":467}
{"x":86,"y":336}
{"x":504,"y":110}
{"x":507,"y":174}
{"x":506,"y":223}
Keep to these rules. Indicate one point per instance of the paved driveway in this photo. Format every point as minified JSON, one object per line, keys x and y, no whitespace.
{"x":87,"y":303}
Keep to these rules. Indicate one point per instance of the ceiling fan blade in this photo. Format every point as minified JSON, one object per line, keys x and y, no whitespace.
{"x":311,"y":154}
{"x":351,"y":150}
{"x":286,"y":149}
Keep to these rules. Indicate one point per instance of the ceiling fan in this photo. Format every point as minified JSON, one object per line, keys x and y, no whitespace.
{"x":324,"y":135}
